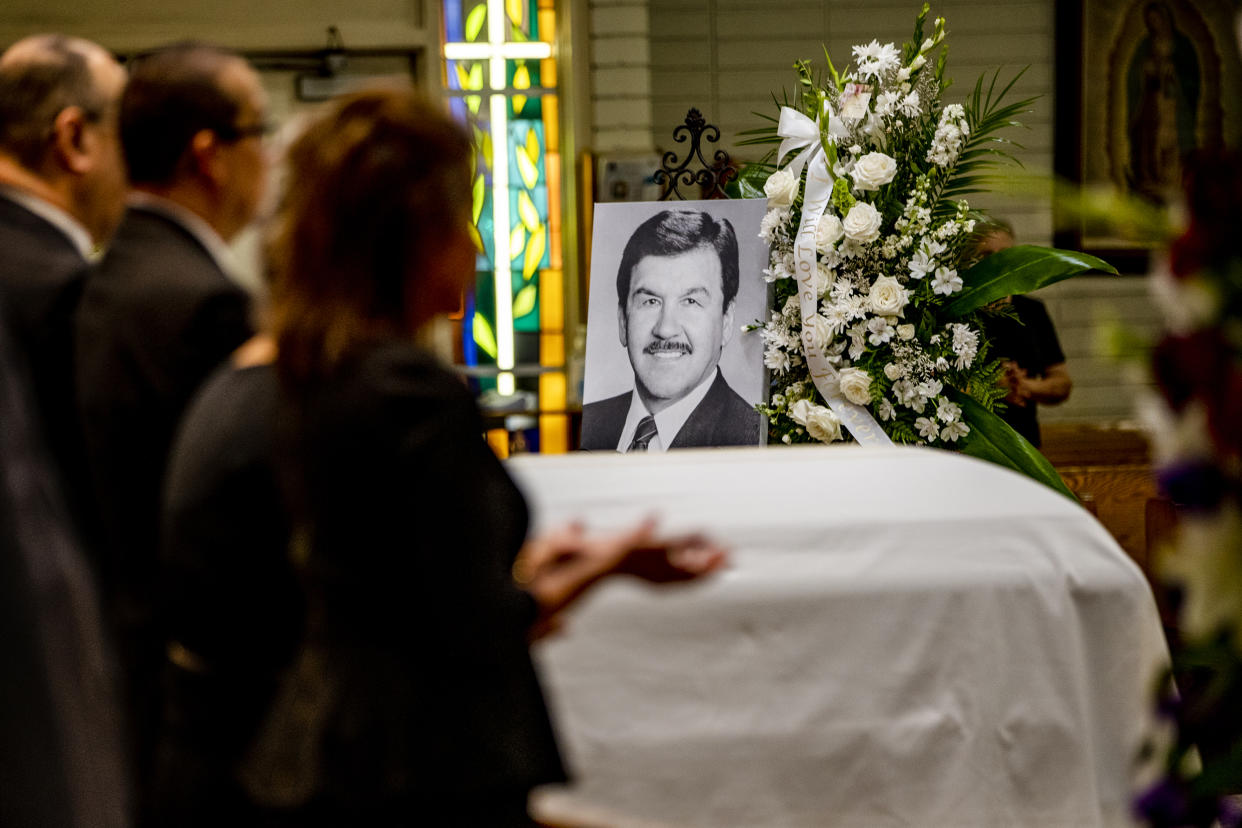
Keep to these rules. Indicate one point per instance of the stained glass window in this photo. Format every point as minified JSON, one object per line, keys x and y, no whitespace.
{"x":500,"y":75}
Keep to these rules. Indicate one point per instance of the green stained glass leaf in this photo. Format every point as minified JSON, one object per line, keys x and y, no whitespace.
{"x":534,"y":252}
{"x":521,"y":76}
{"x":528,"y":212}
{"x":526,"y":165}
{"x":483,"y":335}
{"x":479,"y":196}
{"x":476,"y":77}
{"x":524,"y":302}
{"x":474,"y":102}
{"x":517,"y":241}
{"x":474,"y":21}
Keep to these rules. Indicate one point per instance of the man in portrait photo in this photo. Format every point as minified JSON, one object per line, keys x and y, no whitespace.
{"x":677,"y":289}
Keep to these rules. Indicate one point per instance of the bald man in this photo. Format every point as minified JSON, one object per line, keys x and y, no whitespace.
{"x":62,"y":185}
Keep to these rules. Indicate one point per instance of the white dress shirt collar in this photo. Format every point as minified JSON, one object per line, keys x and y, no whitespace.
{"x":669,"y":421}
{"x":73,"y":229}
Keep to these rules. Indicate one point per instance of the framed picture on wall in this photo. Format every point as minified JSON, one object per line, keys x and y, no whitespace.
{"x":1140,"y":84}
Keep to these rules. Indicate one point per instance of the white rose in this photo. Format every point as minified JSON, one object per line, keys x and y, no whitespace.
{"x":820,"y":330}
{"x":781,"y":188}
{"x":828,"y":232}
{"x":894,"y":371}
{"x":821,"y":279}
{"x":887,"y":297}
{"x":799,"y":411}
{"x":856,"y":385}
{"x":822,"y":424}
{"x":862,"y":224}
{"x":873,"y":171}
{"x":905,"y":332}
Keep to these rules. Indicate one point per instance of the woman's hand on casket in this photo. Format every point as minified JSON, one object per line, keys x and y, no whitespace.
{"x":558,"y":566}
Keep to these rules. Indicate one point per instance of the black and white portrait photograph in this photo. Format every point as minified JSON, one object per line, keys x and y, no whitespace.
{"x":668,"y":364}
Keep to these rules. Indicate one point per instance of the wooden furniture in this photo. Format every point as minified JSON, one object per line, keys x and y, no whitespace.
{"x":1109,"y":469}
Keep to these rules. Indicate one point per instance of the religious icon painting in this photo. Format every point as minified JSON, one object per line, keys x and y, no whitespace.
{"x":669,"y":360}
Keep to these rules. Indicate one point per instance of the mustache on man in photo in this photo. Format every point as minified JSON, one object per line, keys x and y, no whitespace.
{"x":668,"y":345}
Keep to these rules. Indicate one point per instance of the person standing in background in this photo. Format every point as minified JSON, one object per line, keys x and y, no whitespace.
{"x":1035,"y":370}
{"x":158,"y":314}
{"x":62,"y":187}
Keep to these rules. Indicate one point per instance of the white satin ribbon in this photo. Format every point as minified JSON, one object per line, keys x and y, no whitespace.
{"x":801,"y":133}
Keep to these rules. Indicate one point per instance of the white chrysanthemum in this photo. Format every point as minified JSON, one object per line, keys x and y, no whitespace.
{"x":927,"y":428}
{"x":777,"y":359}
{"x":953,"y":431}
{"x":887,"y":102}
{"x":911,"y":105}
{"x":773,"y":223}
{"x":837,"y":315}
{"x":947,"y":282}
{"x":874,"y":60}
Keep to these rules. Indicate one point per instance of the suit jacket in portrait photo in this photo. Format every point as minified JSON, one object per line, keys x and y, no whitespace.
{"x":723,"y":418}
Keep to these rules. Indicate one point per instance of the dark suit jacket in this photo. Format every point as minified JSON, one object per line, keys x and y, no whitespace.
{"x":41,"y":279}
{"x":156,"y":317}
{"x":61,"y":759}
{"x":723,"y":418}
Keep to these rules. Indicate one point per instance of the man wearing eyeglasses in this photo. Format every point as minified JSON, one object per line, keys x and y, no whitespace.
{"x":62,"y":185}
{"x":159,"y":313}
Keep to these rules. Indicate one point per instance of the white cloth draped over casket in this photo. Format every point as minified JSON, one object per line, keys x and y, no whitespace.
{"x":904,"y":637}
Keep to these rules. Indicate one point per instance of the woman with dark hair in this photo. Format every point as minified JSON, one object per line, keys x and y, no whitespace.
{"x":409,"y":696}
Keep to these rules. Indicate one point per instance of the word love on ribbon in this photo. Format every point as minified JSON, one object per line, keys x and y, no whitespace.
{"x":801,"y":133}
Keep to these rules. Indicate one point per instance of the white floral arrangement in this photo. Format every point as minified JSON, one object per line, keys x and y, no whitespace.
{"x":876,"y":329}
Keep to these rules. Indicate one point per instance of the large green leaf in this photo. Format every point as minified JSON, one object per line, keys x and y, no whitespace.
{"x":1018,"y":270}
{"x":994,"y":440}
{"x":750,"y":182}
